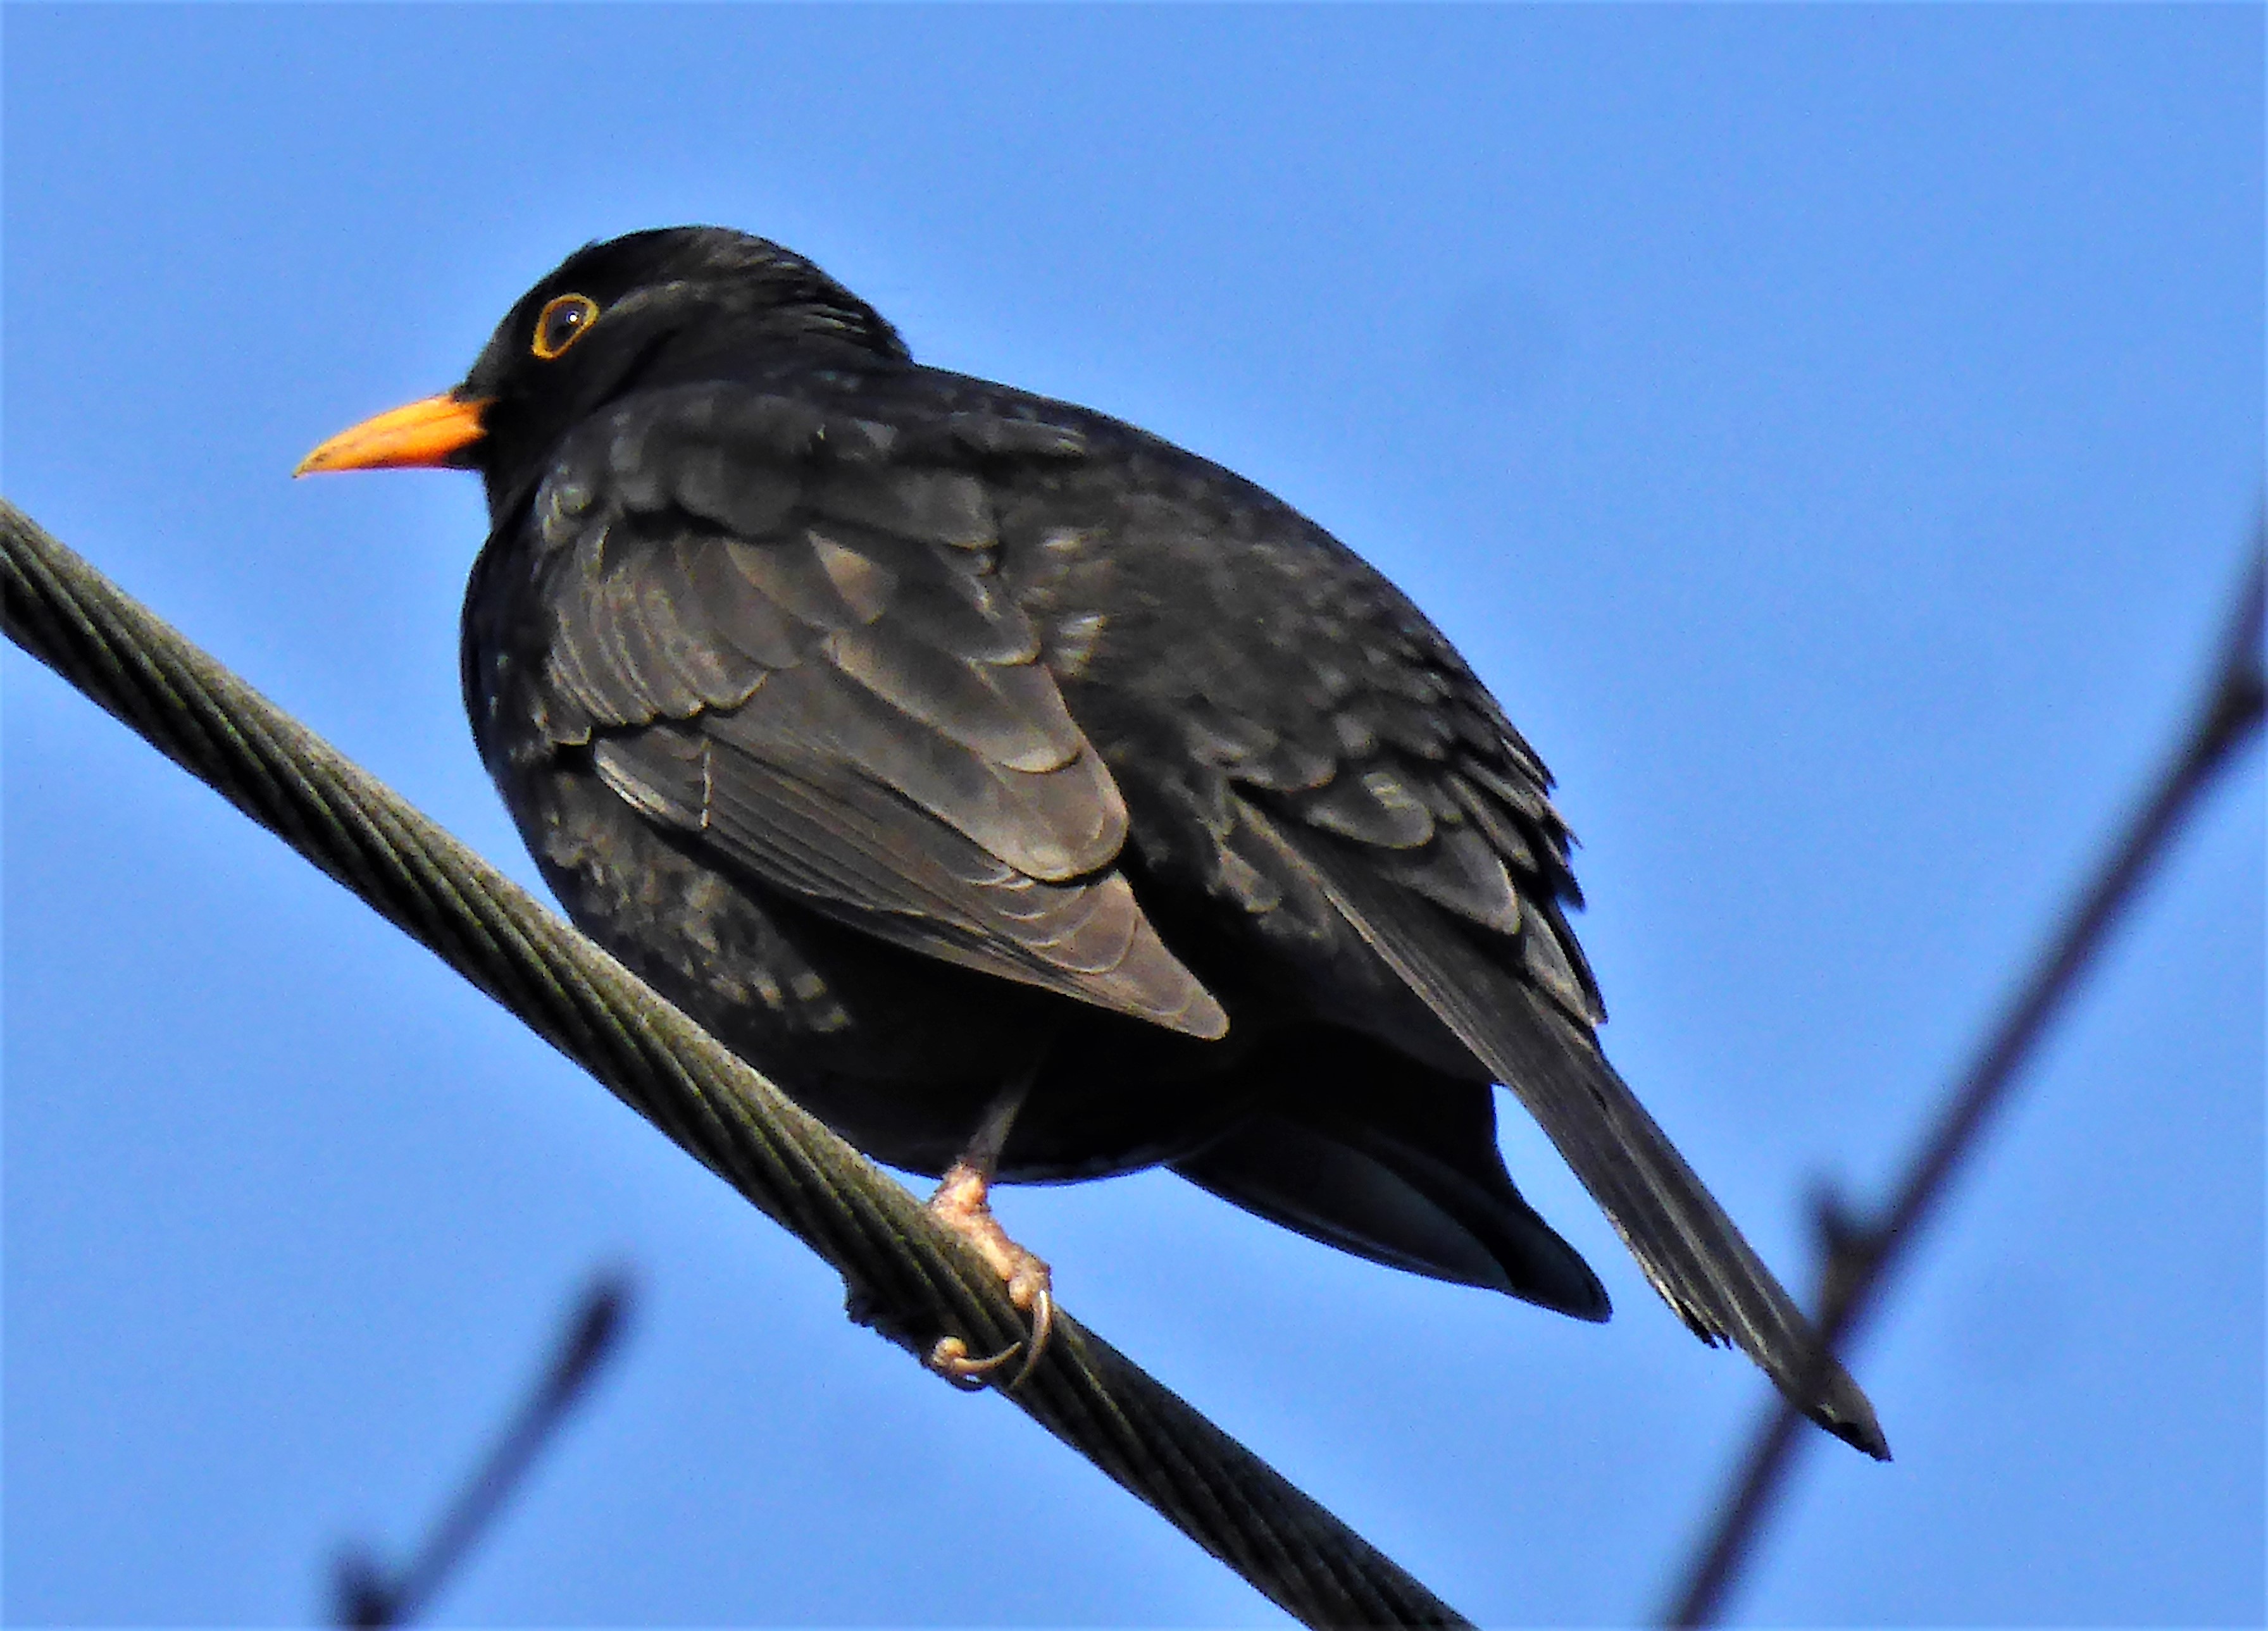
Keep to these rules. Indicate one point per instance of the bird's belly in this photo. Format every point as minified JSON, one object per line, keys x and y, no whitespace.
{"x":899,"y":1052}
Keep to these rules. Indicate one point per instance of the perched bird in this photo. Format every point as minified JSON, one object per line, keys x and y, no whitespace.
{"x":1033,"y":799}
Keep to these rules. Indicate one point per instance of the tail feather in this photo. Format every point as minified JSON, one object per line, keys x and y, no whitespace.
{"x":1688,"y":1248}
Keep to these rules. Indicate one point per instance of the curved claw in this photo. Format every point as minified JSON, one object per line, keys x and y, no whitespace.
{"x":1043,"y":1322}
{"x":950,"y":1360}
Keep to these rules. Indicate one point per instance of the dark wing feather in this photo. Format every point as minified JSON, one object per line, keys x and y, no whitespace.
{"x":782,"y":638}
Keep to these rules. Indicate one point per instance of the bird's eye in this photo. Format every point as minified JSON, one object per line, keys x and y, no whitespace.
{"x":562,"y":322}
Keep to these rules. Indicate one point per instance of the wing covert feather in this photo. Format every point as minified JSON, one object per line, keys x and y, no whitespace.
{"x":783,"y":637}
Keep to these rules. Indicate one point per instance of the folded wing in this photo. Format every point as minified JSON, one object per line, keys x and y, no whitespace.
{"x":782,"y":637}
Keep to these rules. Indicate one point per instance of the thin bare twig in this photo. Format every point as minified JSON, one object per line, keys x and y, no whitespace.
{"x":365,"y":1596}
{"x":1860,"y":1255}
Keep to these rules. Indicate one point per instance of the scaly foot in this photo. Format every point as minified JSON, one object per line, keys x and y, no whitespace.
{"x":960,"y":1205}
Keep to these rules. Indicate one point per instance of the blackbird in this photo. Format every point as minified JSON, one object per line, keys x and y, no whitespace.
{"x":1033,"y":799}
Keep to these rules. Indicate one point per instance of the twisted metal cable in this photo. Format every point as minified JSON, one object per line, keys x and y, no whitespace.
{"x":907,"y":1275}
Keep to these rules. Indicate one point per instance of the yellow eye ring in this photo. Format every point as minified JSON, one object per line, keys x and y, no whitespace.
{"x":563,"y":321}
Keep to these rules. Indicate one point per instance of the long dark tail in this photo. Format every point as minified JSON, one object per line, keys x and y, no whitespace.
{"x":1680,"y":1237}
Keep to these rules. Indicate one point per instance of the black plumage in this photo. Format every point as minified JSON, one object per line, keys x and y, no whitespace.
{"x":921,"y":737}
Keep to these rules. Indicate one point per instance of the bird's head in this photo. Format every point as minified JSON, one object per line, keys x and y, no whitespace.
{"x":672,"y":304}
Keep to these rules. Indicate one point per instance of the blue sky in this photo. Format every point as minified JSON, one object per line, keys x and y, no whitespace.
{"x":1831,"y":431}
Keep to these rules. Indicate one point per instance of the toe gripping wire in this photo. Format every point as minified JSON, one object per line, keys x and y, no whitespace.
{"x":907,"y":1275}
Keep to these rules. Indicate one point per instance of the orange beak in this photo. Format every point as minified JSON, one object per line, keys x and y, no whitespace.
{"x":422,"y":436}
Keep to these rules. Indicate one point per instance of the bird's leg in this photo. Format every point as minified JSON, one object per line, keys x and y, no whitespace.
{"x":961,"y":1205}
